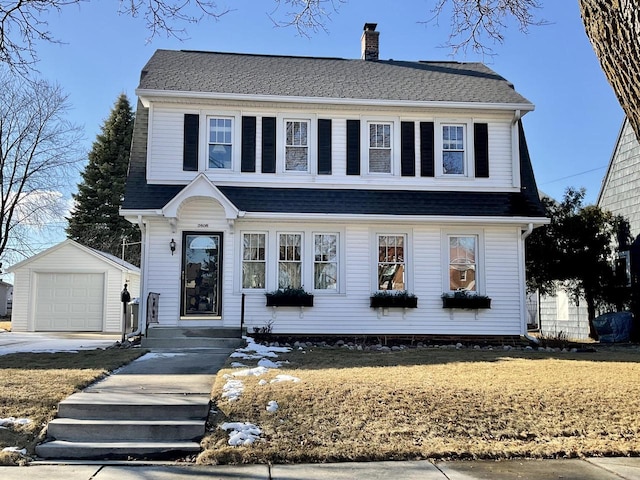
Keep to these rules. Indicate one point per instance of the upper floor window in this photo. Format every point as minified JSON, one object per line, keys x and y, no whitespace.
{"x":391,"y":262}
{"x":463,"y":262}
{"x":325,"y":261}
{"x":296,"y":145}
{"x":253,"y":260}
{"x":380,"y":153}
{"x":453,"y":150}
{"x":290,"y":260}
{"x":220,"y":142}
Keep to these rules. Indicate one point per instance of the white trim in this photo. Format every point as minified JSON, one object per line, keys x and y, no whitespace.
{"x":340,"y":264}
{"x":469,"y":160}
{"x":281,"y":142}
{"x":303,"y":250}
{"x":147,"y":97}
{"x":236,"y":141}
{"x":445,"y":234}
{"x":409,"y":259}
{"x":240,"y":254}
{"x":201,"y":186}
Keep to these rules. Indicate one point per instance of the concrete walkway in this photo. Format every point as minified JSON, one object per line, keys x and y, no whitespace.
{"x":16,"y":342}
{"x":589,"y":469}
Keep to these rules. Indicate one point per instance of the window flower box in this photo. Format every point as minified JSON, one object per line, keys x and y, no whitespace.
{"x":385,"y":299}
{"x":466,"y":300}
{"x":289,"y":297}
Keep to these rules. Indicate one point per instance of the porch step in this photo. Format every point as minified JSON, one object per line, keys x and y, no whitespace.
{"x":115,"y":450}
{"x":119,"y":424}
{"x":192,"y":337}
{"x":80,"y":430}
{"x":119,"y":406}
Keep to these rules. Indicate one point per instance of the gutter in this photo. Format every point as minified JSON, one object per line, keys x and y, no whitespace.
{"x":528,"y":231}
{"x":143,"y":301}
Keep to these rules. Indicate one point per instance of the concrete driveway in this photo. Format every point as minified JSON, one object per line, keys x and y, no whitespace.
{"x":14,"y":342}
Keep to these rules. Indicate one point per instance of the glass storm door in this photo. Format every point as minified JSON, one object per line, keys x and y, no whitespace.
{"x":201,"y":274}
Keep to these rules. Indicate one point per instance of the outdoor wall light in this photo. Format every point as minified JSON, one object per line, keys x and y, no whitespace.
{"x":172,"y":246}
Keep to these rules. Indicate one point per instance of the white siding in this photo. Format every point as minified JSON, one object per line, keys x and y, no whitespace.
{"x":66,"y":258}
{"x":560,"y":316}
{"x":166,"y":137}
{"x":346,"y":311}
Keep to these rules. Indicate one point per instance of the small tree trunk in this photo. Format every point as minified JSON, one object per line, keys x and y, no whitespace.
{"x":591,"y":313}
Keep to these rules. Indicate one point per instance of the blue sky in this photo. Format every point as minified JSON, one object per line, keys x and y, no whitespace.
{"x":572,"y":131}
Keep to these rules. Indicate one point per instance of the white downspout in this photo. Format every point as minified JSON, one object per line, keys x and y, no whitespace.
{"x":524,"y":236}
{"x":142,"y":319}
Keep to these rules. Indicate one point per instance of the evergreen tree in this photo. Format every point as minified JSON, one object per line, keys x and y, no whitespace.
{"x":95,"y":221}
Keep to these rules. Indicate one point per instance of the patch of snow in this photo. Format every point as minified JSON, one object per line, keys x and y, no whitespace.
{"x":152,"y":355}
{"x":272,"y":406}
{"x":21,"y":451}
{"x":262,"y":382}
{"x":237,"y":365}
{"x":10,"y":421}
{"x":242,"y":433}
{"x":285,"y":378}
{"x":265,"y":362}
{"x":232,"y":390}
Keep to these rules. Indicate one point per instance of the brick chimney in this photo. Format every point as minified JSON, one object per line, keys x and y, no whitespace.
{"x":369,"y":42}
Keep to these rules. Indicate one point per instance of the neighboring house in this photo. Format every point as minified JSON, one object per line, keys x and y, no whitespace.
{"x":6,"y":298}
{"x":620,"y":191}
{"x":70,"y":287}
{"x":559,"y":315}
{"x":251,"y":173}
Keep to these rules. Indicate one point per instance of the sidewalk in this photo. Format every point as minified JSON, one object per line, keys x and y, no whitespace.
{"x":574,"y":469}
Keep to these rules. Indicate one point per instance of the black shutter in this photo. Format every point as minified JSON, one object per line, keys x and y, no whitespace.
{"x":324,"y":147}
{"x":268,"y":144}
{"x":481,"y":149}
{"x":190,"y":142}
{"x":353,"y":147}
{"x":427,"y":153}
{"x":248,"y":162}
{"x":408,"y":149}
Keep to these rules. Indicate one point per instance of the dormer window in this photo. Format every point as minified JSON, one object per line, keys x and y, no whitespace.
{"x":297,"y":146}
{"x":220,"y":142}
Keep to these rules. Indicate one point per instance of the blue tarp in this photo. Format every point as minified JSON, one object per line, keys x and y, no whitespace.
{"x":614,"y":327}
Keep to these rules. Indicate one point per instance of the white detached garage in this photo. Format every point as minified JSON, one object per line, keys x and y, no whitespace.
{"x":71,"y":288}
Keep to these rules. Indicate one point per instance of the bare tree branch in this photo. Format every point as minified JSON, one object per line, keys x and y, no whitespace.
{"x":38,"y":151}
{"x":306,"y":15}
{"x":477,"y":24}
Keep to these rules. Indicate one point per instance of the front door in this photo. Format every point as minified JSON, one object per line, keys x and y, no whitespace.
{"x":201,"y":274}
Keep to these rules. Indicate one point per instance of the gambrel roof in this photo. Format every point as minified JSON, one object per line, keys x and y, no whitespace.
{"x":327,"y":78}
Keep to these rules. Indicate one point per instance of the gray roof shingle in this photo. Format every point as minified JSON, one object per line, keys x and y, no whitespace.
{"x":328,"y":78}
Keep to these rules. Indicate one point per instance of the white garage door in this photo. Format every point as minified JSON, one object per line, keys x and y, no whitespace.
{"x":69,"y":302}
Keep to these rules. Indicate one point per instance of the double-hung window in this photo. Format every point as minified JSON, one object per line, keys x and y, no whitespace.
{"x":297,"y":146}
{"x":380,"y":152}
{"x":325,"y":261}
{"x":453,"y":149}
{"x":463,"y":262}
{"x":289,"y":260}
{"x":391,"y":262}
{"x":253,"y":260}
{"x":220,"y":142}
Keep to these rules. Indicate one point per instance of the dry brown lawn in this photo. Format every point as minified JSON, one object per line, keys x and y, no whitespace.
{"x":433,"y":403}
{"x":5,"y":325}
{"x":34,"y":383}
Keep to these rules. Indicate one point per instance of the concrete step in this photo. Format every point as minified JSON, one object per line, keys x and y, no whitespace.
{"x":123,"y":406}
{"x":191,"y":332}
{"x":63,"y":450}
{"x":190,"y":342}
{"x":75,"y":430}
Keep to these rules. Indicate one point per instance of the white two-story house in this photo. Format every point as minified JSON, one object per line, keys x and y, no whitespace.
{"x":344,"y":177}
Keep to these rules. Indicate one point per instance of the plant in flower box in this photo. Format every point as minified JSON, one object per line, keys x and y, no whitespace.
{"x":465,"y":299}
{"x":393,"y":299}
{"x":289,"y":297}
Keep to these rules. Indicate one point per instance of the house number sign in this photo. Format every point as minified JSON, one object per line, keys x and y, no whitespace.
{"x":203,"y":225}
